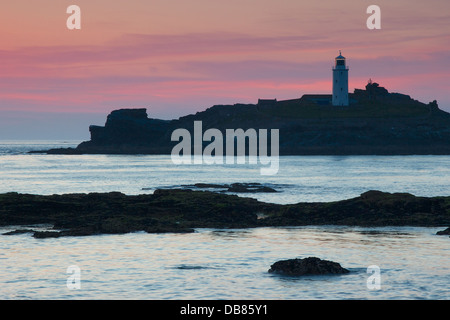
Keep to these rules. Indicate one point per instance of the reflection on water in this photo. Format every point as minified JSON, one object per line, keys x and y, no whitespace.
{"x":231,"y":233}
{"x":379,"y":231}
{"x":196,"y":267}
{"x":227,"y":264}
{"x":224,"y":264}
{"x":300,"y":178}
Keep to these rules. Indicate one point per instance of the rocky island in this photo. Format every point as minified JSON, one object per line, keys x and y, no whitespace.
{"x":183,"y":210}
{"x":375,"y":122}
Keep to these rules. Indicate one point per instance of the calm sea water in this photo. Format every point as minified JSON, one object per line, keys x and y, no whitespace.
{"x":224,"y":264}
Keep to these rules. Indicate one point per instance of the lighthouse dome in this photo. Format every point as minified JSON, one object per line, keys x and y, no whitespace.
{"x":340,"y":56}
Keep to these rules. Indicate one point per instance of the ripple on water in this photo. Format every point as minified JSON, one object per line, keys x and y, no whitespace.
{"x":214,"y":264}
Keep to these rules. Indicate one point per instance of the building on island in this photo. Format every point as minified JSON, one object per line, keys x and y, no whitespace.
{"x":340,"y":95}
{"x":340,"y":82}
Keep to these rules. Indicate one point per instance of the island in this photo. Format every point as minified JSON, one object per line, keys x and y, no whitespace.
{"x":376,"y":122}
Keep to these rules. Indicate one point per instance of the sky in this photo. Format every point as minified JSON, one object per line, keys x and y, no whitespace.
{"x":177,"y":57}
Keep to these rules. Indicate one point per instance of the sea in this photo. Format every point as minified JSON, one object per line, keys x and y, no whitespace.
{"x":385,"y":263}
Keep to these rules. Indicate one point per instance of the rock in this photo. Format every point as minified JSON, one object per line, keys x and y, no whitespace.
{"x":183,"y":211}
{"x":307,"y":266}
{"x":249,"y":188}
{"x":168,"y":229}
{"x":238,"y":187}
{"x":444,"y":232}
{"x":210,"y":186}
{"x":18,"y":231}
{"x":46,"y":234}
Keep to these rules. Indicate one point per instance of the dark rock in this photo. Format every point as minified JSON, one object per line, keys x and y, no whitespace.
{"x":47,"y":234}
{"x":373,"y":208}
{"x":444,"y":232}
{"x":210,"y":186}
{"x":168,"y":229}
{"x":249,"y":188}
{"x":181,"y":211}
{"x":18,"y":231}
{"x":238,"y":187}
{"x":307,"y":266}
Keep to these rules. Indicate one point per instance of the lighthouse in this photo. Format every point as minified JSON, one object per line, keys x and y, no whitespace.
{"x":340,"y":82}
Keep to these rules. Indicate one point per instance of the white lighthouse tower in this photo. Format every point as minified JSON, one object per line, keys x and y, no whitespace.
{"x":340,"y":82}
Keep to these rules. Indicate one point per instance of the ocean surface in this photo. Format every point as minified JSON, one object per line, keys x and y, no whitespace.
{"x":413,"y":262}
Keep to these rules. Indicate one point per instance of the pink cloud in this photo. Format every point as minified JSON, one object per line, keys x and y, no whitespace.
{"x":188,"y":70}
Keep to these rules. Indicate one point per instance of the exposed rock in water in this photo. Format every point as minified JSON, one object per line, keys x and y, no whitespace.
{"x":182,"y":211}
{"x":307,"y":266}
{"x":112,"y":227}
{"x":249,"y":188}
{"x":209,"y":186}
{"x":47,"y":234}
{"x":18,"y":231}
{"x":238,"y":187}
{"x":445,"y":232}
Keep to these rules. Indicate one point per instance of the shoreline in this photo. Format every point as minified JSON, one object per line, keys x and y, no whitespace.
{"x":395,"y":150}
{"x":183,"y":210}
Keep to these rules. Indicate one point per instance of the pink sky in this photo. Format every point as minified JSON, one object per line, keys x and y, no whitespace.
{"x":178,"y":57}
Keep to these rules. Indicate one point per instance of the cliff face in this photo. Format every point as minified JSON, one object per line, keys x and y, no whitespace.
{"x":376,"y":122}
{"x":127,"y":131}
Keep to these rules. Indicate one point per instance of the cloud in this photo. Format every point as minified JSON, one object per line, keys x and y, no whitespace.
{"x":194,"y":68}
{"x":131,"y":47}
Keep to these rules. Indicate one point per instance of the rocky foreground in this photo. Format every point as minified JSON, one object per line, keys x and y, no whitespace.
{"x":183,"y":210}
